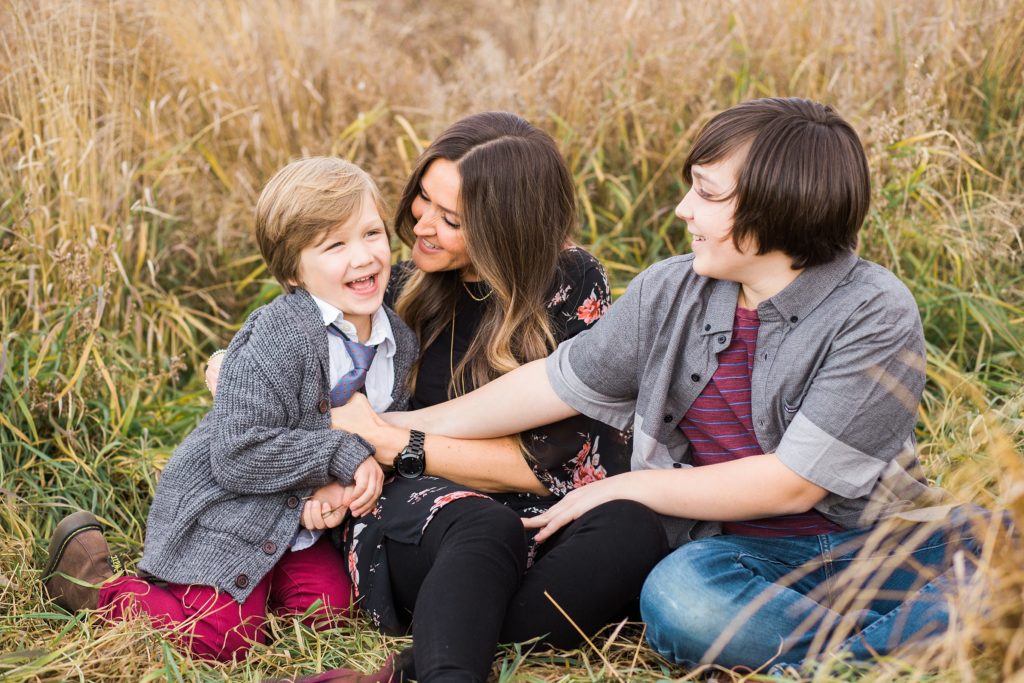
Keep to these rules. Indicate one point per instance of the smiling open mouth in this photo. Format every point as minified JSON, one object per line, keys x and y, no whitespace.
{"x":363,"y":284}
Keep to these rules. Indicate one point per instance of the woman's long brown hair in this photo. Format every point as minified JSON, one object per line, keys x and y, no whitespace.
{"x":518,"y":210}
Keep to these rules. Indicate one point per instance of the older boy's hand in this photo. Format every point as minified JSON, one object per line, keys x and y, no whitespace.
{"x":367,"y":483}
{"x":325,"y":509}
{"x":571,"y":507}
{"x":213,"y":372}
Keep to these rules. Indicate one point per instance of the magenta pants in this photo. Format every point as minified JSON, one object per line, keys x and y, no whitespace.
{"x":210,"y":624}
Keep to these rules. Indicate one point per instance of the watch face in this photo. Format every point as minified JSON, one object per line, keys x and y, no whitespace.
{"x":411,"y":462}
{"x":409,"y":465}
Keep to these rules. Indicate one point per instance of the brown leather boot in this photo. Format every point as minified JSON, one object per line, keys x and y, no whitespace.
{"x":78,"y":555}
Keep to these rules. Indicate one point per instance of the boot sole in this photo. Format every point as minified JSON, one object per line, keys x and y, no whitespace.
{"x":66,"y":530}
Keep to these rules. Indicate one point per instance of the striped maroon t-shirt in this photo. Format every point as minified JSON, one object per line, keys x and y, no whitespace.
{"x":719,"y":426}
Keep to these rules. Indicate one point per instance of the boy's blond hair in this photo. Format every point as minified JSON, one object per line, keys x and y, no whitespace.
{"x":301,"y":203}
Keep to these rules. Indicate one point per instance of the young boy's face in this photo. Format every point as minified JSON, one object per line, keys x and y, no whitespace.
{"x":709,"y":219}
{"x":349,"y":267}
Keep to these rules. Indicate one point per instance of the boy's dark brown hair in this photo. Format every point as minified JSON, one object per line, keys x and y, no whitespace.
{"x":301,"y":203}
{"x":803,"y":188}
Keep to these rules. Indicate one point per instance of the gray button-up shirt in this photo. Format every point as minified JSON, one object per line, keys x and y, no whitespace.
{"x":836,"y":383}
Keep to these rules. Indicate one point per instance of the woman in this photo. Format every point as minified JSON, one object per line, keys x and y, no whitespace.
{"x":772,"y":379}
{"x":494,"y":282}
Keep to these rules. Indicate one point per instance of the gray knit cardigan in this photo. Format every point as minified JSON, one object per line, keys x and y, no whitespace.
{"x":228,"y":502}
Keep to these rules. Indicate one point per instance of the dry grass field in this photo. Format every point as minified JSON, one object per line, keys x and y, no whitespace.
{"x":134,"y":138}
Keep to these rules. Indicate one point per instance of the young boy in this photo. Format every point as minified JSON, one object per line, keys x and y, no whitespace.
{"x":772,"y":379}
{"x":228,"y":533}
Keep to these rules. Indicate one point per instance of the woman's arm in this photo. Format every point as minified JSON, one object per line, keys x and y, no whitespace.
{"x":751,"y":488}
{"x":489,"y":465}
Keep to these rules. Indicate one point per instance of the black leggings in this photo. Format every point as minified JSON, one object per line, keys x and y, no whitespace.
{"x":464,"y":582}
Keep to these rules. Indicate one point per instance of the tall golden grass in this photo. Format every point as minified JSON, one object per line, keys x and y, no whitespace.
{"x":135,"y":137}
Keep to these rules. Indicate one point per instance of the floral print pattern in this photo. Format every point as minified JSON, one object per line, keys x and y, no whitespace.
{"x":591,"y":310}
{"x":564,"y":455}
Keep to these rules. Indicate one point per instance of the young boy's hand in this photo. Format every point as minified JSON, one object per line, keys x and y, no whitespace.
{"x":325,"y":509}
{"x":366,"y":486}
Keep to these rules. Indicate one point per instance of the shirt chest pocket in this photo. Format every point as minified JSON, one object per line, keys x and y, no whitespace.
{"x":792,"y":399}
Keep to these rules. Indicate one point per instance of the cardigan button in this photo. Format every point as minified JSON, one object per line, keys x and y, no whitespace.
{"x":707,"y":328}
{"x":269,"y":547}
{"x":241,"y":580}
{"x":677,"y":465}
{"x":324,"y":406}
{"x":667,"y":418}
{"x":721,"y":339}
{"x":695,"y":377}
{"x":292,"y":502}
{"x":793,"y":319}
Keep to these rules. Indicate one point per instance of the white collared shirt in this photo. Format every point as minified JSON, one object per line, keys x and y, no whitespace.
{"x":380,"y":378}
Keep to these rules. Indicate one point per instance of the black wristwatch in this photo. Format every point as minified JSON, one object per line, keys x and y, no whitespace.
{"x":411,"y":461}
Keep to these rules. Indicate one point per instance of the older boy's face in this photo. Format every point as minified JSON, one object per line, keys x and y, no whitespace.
{"x":709,"y":219}
{"x":349,"y":268}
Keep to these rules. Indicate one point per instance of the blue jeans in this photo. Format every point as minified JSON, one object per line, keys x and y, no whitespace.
{"x":742,"y":601}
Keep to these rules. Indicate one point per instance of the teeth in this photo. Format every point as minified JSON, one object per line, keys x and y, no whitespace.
{"x":430,"y":244}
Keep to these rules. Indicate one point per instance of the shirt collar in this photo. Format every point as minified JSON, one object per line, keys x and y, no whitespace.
{"x":791,"y":305}
{"x":809,"y":289}
{"x":381,"y":334}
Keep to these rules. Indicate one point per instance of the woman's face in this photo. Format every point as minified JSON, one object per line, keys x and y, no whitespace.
{"x":440,"y":242}
{"x":709,"y":220}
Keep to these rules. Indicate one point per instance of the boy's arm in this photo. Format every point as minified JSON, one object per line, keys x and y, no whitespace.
{"x":595,"y":373}
{"x":751,"y":488}
{"x":517,"y":401}
{"x":255,"y":445}
{"x":489,"y":465}
{"x":856,"y":418}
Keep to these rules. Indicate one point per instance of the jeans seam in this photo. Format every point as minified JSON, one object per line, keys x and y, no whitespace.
{"x":827,"y":568}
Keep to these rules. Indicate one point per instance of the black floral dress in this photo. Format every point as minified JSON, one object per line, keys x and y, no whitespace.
{"x":564,"y":455}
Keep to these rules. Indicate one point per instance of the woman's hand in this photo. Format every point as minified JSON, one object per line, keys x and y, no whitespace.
{"x":358,"y":417}
{"x":572,"y":507}
{"x":367,"y":483}
{"x":325,"y":509}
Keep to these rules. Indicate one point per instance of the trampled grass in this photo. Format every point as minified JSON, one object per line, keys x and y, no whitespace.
{"x":135,"y":136}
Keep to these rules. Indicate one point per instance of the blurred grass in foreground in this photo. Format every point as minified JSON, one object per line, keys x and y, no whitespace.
{"x":135,"y":137}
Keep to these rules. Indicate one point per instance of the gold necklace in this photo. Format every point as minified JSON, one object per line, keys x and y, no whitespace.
{"x":451,"y":361}
{"x":472,"y":296}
